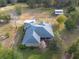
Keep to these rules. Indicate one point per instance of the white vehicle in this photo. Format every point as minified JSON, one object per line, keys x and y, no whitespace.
{"x":59,"y":11}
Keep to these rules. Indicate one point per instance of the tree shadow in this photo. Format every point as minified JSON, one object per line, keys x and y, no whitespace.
{"x":36,"y":54}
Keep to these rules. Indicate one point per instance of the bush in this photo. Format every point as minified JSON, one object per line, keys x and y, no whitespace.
{"x":7,"y":35}
{"x":10,"y":54}
{"x":74,"y":15}
{"x":70,"y":9}
{"x":70,"y":24}
{"x":18,"y":9}
{"x":22,"y":46}
{"x":56,"y":45}
{"x":74,"y":48}
{"x":2,"y":3}
{"x":34,"y":3}
{"x":4,"y":16}
{"x":76,"y":55}
{"x":61,"y":19}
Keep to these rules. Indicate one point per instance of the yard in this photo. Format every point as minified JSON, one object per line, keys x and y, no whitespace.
{"x":40,"y":15}
{"x":37,"y":54}
{"x":9,"y":31}
{"x":70,"y":37}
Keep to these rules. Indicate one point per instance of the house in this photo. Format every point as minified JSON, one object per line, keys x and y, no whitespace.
{"x":37,"y":33}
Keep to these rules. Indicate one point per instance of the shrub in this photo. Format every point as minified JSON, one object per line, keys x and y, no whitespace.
{"x":18,"y":9}
{"x":74,"y":15}
{"x":2,"y":3}
{"x":61,"y":19}
{"x":22,"y":46}
{"x":70,"y":9}
{"x":72,"y":49}
{"x":4,"y":16}
{"x":55,"y":46}
{"x":10,"y":54}
{"x":76,"y":55}
{"x":7,"y":35}
{"x":34,"y":3}
{"x":70,"y":24}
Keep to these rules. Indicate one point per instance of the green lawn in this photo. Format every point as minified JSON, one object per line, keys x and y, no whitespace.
{"x":36,"y":54}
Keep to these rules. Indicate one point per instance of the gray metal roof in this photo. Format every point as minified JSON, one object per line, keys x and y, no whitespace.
{"x":33,"y":33}
{"x":31,"y":37}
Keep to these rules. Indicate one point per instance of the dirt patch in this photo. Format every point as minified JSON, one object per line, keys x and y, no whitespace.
{"x":70,"y":37}
{"x":39,"y":17}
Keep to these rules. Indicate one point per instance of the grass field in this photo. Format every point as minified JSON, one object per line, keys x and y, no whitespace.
{"x":37,"y":54}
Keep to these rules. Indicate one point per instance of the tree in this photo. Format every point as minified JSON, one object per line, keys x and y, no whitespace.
{"x":70,"y":9}
{"x":74,"y":47}
{"x":12,"y":1}
{"x":3,"y":3}
{"x":61,"y":19}
{"x":56,"y":45}
{"x":70,"y":24}
{"x":75,"y":16}
{"x":24,"y":1}
{"x":33,"y":3}
{"x":4,"y":16}
{"x":76,"y":55}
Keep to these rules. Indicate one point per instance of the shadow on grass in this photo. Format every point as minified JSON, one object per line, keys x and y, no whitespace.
{"x":36,"y":54}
